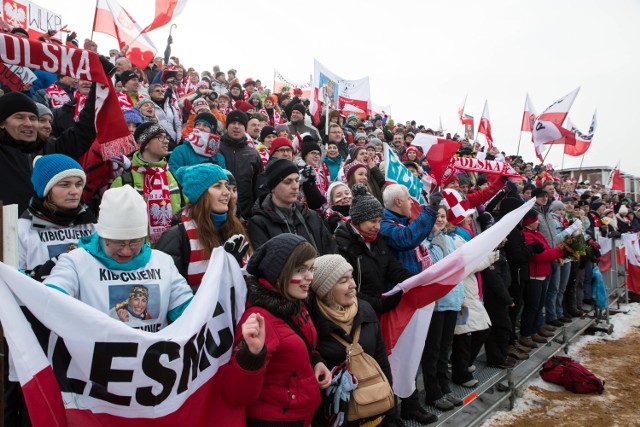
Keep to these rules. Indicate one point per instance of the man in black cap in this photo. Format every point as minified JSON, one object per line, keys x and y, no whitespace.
{"x":279,"y":211}
{"x":297,"y":123}
{"x":242,"y":160}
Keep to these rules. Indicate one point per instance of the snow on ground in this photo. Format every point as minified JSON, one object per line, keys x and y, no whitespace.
{"x":550,"y":400}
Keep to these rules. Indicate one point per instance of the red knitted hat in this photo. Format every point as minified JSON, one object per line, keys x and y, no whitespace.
{"x":279,"y":143}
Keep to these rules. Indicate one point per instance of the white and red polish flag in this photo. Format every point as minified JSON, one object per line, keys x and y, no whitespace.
{"x":548,"y":129}
{"x":404,"y":328}
{"x":111,"y":18}
{"x":485,"y":125}
{"x":632,"y":251}
{"x":583,"y":141}
{"x":465,"y":120}
{"x":529,"y":115}
{"x":615,"y":181}
{"x":96,"y":371}
{"x":166,"y":10}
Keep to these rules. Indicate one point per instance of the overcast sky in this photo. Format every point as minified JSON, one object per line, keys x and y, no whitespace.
{"x":423,"y":57}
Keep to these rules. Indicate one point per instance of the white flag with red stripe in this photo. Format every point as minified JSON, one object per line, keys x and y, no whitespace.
{"x":404,"y":328}
{"x":485,"y":125}
{"x":547,"y":128}
{"x":461,"y":110}
{"x":632,"y":250}
{"x":529,"y":115}
{"x":583,"y":141}
{"x":615,"y":181}
{"x":97,"y":371}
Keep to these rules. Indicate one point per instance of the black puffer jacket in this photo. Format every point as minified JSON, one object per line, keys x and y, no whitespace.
{"x":266,"y":223}
{"x":375,"y":270}
{"x":496,"y":280}
{"x":244,"y":162}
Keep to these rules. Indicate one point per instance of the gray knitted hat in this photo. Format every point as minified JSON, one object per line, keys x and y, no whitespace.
{"x":270,"y":258}
{"x":364,"y":206}
{"x":329,"y":269}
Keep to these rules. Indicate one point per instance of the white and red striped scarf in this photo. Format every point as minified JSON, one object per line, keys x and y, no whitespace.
{"x":198,"y":259}
{"x":275,"y":119}
{"x":158,"y":196}
{"x":80,"y":101}
{"x":322,"y":172}
{"x":125,"y":101}
{"x":264,"y":155}
{"x":58,"y":96}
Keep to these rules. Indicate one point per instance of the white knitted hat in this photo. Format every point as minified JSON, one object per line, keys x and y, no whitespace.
{"x":123,"y":214}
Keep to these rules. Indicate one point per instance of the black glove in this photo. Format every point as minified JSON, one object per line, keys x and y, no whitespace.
{"x":307,"y":174}
{"x":510,"y":188}
{"x":537,"y":247}
{"x":72,"y":35}
{"x":434,"y":200}
{"x":107,"y":66}
{"x":41,"y":272}
{"x":237,"y":247}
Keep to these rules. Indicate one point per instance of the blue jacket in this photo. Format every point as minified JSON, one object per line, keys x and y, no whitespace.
{"x":454,"y":299}
{"x":183,"y":155}
{"x":403,"y":237}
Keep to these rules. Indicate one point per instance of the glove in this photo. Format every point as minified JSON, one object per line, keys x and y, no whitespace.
{"x":434,"y":200}
{"x":537,"y":247}
{"x":510,"y":188}
{"x":595,"y":245}
{"x":574,"y":227}
{"x":72,"y":35}
{"x":342,"y":384}
{"x":107,"y":66}
{"x":41,"y":272}
{"x":495,"y":256}
{"x":307,"y":174}
{"x":237,"y":247}
{"x":120,"y":164}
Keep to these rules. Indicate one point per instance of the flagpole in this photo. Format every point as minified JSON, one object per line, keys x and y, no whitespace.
{"x":519,"y":139}
{"x":94,"y":19}
{"x":523,"y":111}
{"x":545,"y":156}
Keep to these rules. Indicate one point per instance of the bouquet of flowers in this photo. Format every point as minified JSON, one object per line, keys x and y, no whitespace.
{"x":576,"y":246}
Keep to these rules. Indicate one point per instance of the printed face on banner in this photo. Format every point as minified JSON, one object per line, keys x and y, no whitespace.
{"x":61,"y":248}
{"x":14,"y":13}
{"x":133,"y":304}
{"x":329,"y":92}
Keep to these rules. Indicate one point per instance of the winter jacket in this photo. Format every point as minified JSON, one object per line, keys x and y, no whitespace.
{"x":547,"y":224}
{"x":477,"y":198}
{"x":169,"y":118}
{"x":540,"y":264}
{"x":334,"y":166}
{"x":183,"y":155}
{"x":245,"y":164}
{"x":334,"y":352}
{"x":403,"y":237}
{"x":302,"y":127}
{"x":376,"y":181}
{"x":16,"y":157}
{"x":375,"y":269}
{"x":138,"y":181}
{"x":495,"y":291}
{"x":478,"y":317}
{"x":455,"y":298}
{"x":266,"y":222}
{"x":518,"y":255}
{"x":285,"y":390}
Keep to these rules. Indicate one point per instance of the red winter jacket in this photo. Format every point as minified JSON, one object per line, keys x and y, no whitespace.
{"x":477,"y":198}
{"x":540,"y":264}
{"x":285,"y":389}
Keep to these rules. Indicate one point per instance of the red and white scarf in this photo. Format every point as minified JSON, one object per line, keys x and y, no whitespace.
{"x":274,"y":119}
{"x":204,"y":144}
{"x":264,"y":155}
{"x":198,"y":259}
{"x":113,"y":136}
{"x":158,"y":196}
{"x":58,"y":96}
{"x":80,"y":101}
{"x":321,"y":177}
{"x":125,"y":101}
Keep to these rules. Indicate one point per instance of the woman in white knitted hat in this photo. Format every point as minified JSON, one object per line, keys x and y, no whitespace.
{"x":337,"y":311}
{"x":116,"y":262}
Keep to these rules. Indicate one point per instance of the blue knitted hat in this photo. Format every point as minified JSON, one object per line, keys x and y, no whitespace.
{"x":195,"y":180}
{"x":50,"y":169}
{"x":133,"y":115}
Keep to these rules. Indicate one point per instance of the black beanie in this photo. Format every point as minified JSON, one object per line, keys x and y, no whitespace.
{"x":364,"y":206}
{"x":308,"y":147}
{"x":208,"y":118}
{"x":277,"y":170}
{"x":299,"y":107}
{"x":237,"y":116}
{"x":16,"y":102}
{"x":269,"y":259}
{"x":266,"y":131}
{"x":145,"y":131}
{"x":509,"y":204}
{"x":539,"y":191}
{"x":596,"y":205}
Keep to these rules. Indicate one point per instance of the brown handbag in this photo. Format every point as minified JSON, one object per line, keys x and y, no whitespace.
{"x":373,"y":396}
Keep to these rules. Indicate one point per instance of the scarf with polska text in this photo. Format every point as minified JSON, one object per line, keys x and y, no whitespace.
{"x":113,"y":136}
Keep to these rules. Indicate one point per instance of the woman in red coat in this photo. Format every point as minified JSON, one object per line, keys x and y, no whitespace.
{"x":539,"y":274}
{"x":286,"y":386}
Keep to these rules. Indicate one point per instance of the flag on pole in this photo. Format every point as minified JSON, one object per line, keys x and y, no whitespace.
{"x":111,"y":18}
{"x":615,"y":181}
{"x":547,"y":128}
{"x":583,"y":141}
{"x":403,"y":336}
{"x":166,"y":10}
{"x":96,"y":371}
{"x":632,"y":251}
{"x":485,"y":125}
{"x":557,"y":112}
{"x":464,"y":118}
{"x":529,"y":115}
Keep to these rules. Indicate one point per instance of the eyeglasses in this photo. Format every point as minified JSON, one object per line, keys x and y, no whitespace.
{"x":284,"y":150}
{"x":158,"y":91}
{"x":134,"y":244}
{"x":162,"y":137}
{"x":304,"y":270}
{"x":171,"y":82}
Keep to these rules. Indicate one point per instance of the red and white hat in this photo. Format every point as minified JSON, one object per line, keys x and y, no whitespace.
{"x":457,"y":207}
